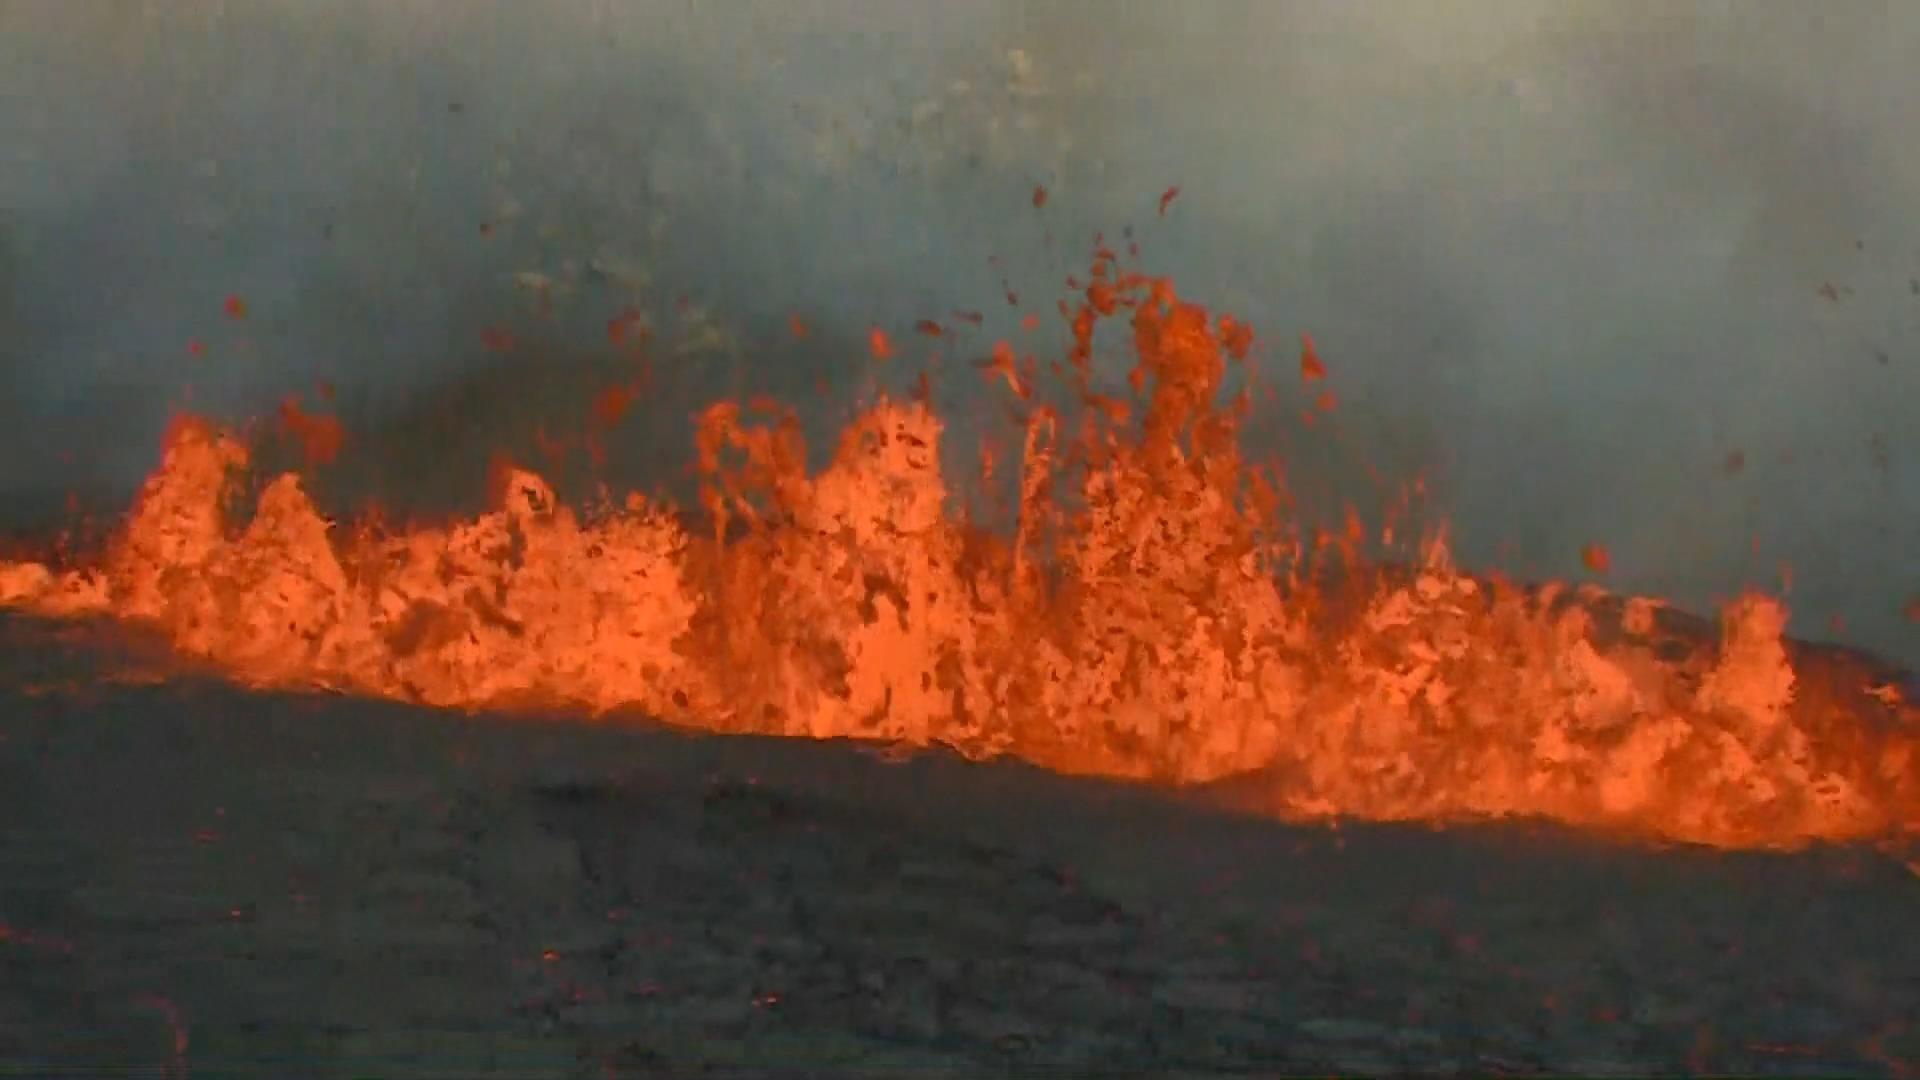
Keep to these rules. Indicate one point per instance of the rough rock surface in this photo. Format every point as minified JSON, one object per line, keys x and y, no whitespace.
{"x":196,"y":881}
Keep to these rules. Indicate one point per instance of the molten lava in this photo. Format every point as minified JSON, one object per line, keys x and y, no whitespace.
{"x":1152,"y":613}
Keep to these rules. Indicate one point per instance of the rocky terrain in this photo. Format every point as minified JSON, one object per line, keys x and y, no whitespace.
{"x":199,"y":881}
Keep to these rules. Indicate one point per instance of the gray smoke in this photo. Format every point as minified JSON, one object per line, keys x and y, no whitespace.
{"x":1571,"y":259}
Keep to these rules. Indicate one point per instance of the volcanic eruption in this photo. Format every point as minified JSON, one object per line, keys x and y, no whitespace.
{"x":1153,"y":606}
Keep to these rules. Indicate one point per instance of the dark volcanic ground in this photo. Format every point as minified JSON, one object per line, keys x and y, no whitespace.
{"x":196,"y":881}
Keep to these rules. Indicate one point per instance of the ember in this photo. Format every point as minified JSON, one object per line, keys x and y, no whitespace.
{"x":1155,"y":611}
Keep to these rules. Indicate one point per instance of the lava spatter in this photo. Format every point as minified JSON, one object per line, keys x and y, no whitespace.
{"x":1152,"y":612}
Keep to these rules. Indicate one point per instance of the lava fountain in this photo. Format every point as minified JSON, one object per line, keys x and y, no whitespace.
{"x":1153,"y":609}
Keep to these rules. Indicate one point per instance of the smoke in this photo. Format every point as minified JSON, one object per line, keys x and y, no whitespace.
{"x":1573,"y":261}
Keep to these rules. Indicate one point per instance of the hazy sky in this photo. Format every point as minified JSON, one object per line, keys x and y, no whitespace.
{"x":1566,"y":257}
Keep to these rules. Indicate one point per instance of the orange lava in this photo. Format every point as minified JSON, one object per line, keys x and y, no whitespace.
{"x":320,"y":437}
{"x":1153,"y":612}
{"x":1596,"y":558}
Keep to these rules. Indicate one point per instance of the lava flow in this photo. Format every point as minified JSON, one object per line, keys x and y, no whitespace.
{"x":1155,"y":611}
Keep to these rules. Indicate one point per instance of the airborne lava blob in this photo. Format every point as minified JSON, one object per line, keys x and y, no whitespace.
{"x":1153,"y":612}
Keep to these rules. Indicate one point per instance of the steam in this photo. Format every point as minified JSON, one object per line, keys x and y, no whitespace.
{"x":1567,"y":261}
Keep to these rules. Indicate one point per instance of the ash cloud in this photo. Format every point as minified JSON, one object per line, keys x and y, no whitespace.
{"x":1568,"y":259}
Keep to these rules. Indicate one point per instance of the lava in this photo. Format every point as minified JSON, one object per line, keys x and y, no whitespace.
{"x":1154,"y":611}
